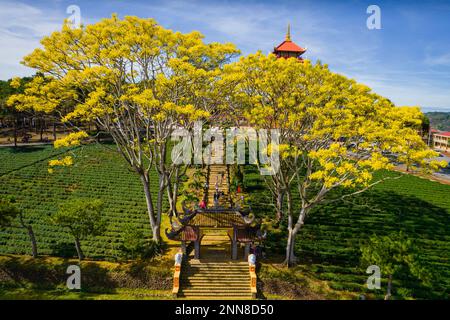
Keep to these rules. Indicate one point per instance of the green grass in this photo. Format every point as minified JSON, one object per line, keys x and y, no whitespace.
{"x":16,"y":158}
{"x":22,"y":277}
{"x":65,"y":294}
{"x":98,"y":172}
{"x":328,"y":245}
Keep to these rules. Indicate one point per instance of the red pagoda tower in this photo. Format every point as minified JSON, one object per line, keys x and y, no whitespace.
{"x":288,"y":49}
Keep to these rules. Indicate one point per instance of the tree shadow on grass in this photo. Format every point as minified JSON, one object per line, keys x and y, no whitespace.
{"x":41,"y":274}
{"x":347,"y":223}
{"x":63,"y":250}
{"x":333,"y":235}
{"x":27,"y":149}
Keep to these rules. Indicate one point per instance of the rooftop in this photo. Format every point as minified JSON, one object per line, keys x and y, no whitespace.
{"x":288,"y":45}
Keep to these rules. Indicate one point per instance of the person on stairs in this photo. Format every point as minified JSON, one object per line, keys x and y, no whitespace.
{"x":216,"y":199}
{"x":203,"y":204}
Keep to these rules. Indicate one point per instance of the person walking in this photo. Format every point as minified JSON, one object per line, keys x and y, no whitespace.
{"x":216,"y":199}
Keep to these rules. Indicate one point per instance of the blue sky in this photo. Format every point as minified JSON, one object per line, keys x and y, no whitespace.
{"x":407,"y":60}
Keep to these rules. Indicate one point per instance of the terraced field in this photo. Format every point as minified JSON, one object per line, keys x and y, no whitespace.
{"x":329,"y":244}
{"x":98,"y":172}
{"x":16,"y":158}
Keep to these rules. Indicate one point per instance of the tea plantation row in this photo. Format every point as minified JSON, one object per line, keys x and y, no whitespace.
{"x":328,"y":245}
{"x":98,"y":172}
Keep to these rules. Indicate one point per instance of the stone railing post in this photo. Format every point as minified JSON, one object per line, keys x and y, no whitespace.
{"x":177,"y":273}
{"x":252,"y":270}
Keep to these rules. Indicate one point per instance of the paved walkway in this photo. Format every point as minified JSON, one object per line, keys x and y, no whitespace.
{"x":27,"y":144}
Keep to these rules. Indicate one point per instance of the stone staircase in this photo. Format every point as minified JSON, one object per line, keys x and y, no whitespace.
{"x":217,"y":238}
{"x":218,"y":174}
{"x":215,"y":275}
{"x":215,"y":280}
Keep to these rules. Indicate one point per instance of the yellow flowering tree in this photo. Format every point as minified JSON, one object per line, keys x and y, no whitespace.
{"x":333,"y":132}
{"x":138,"y":82}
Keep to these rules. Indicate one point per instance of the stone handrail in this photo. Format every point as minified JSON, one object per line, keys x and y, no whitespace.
{"x":252,"y":270}
{"x":177,"y":273}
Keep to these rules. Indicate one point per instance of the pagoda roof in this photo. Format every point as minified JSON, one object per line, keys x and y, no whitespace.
{"x":289,"y":46}
{"x":218,"y":219}
{"x":207,"y":218}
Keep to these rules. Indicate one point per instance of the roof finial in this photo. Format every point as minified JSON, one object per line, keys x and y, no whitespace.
{"x":288,"y":34}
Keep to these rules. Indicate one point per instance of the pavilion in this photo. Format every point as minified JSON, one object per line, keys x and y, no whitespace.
{"x":288,"y":48}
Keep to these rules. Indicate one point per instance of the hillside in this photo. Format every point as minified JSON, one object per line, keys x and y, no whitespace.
{"x":98,"y":172}
{"x":439,"y":120}
{"x":328,"y":246}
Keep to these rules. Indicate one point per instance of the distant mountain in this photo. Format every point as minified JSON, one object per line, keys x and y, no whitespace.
{"x":439,"y":120}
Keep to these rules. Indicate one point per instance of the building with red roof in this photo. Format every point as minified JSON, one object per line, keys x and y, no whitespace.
{"x":441,"y":140}
{"x":288,"y":49}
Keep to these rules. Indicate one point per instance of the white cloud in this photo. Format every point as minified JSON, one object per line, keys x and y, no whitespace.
{"x":255,"y":26}
{"x":21,"y":28}
{"x":438,"y":60}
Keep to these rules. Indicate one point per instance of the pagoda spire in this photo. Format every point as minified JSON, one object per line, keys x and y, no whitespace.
{"x":288,"y":33}
{"x":288,"y":49}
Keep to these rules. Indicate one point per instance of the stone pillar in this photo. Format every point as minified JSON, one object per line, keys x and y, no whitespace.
{"x":247,"y":250}
{"x":197,"y":249}
{"x":234,"y":249}
{"x":183,"y":247}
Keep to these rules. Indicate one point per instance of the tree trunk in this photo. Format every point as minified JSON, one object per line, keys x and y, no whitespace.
{"x":97,"y":132}
{"x":292,"y":232}
{"x":172,"y":206}
{"x":15,"y":133}
{"x":150,"y":210}
{"x":279,"y":206}
{"x":33,"y":241}
{"x":389,"y":288}
{"x":79,"y":251}
{"x":156,"y":230}
{"x":159,"y":208}
{"x":41,"y":123}
{"x":54,"y":130}
{"x":291,"y":259}
{"x":172,"y":190}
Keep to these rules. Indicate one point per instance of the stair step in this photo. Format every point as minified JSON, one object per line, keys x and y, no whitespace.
{"x":217,"y":297}
{"x":211,"y":277}
{"x":219,"y":264}
{"x":214,"y":294}
{"x":200,"y":266}
{"x":215,"y":286}
{"x":219,"y":273}
{"x":217,"y":290}
{"x":218,"y":270}
{"x":201,"y":280}
{"x":216,"y":236}
{"x":215,"y":282}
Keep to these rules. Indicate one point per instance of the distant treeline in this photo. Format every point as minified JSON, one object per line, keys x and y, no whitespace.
{"x":439,"y":120}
